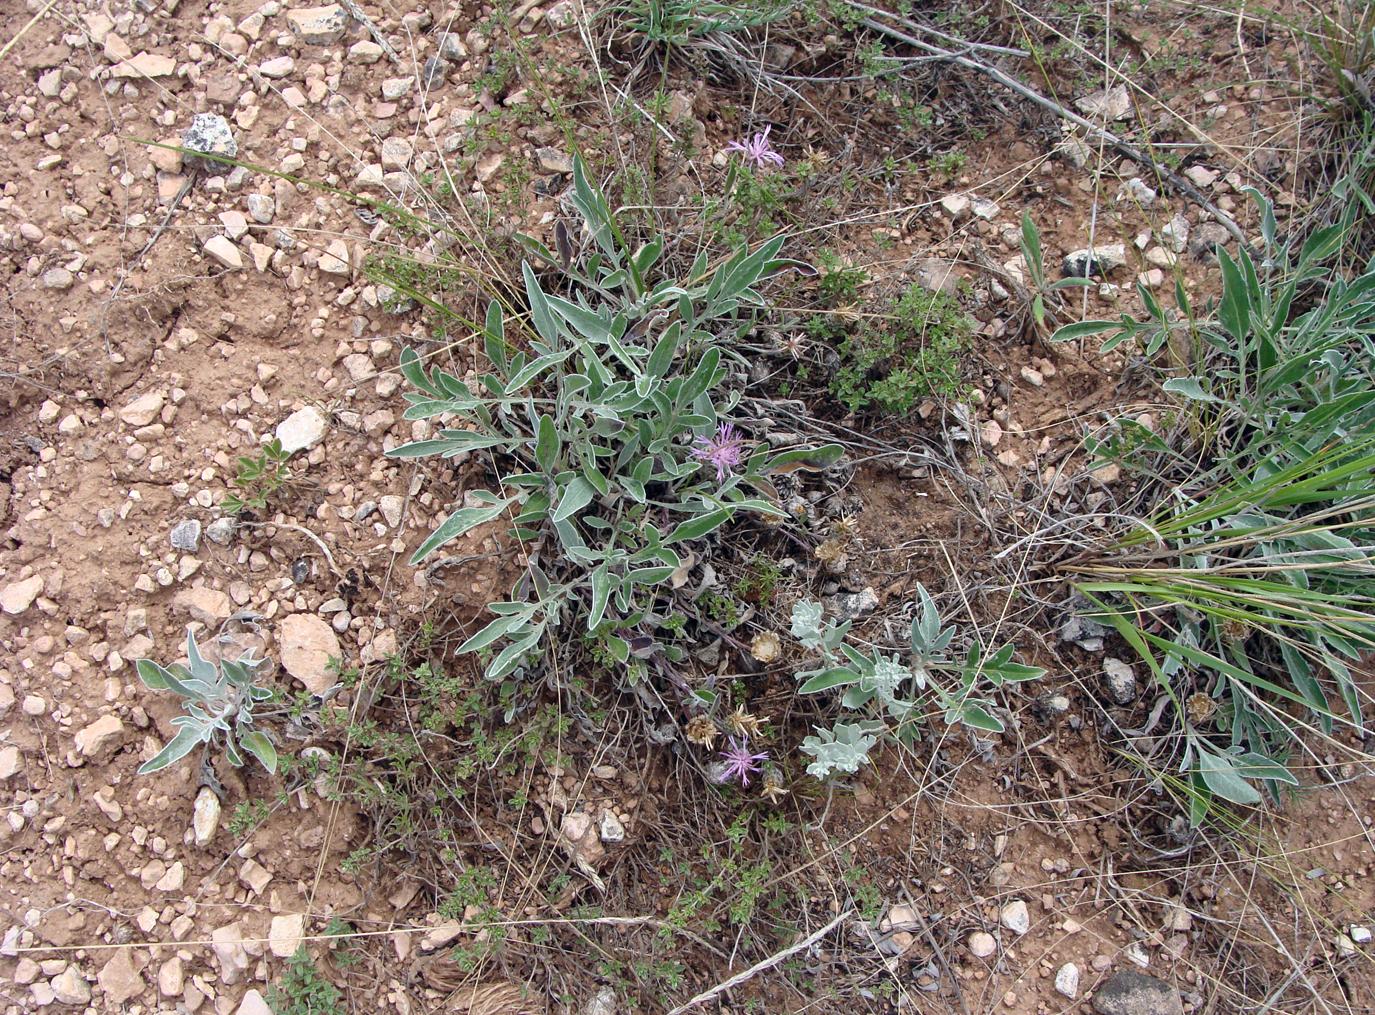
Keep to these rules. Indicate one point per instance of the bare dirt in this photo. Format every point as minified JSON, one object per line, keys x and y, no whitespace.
{"x":132,"y":381}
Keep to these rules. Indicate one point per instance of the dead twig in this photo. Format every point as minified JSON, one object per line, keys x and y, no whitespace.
{"x":768,"y":963}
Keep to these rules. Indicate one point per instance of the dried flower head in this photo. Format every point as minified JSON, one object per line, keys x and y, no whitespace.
{"x":702,"y":731}
{"x":738,"y":763}
{"x":745,"y":724}
{"x":831,"y":553}
{"x":773,"y":789}
{"x":1200,"y":707}
{"x":766,"y":646}
{"x":725,"y":450}
{"x":845,"y":527}
{"x":794,"y":344}
{"x":757,"y":149}
{"x":1234,"y":631}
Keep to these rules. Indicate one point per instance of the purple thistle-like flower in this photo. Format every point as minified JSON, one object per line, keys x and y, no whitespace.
{"x":725,"y":450}
{"x":738,"y":763}
{"x":757,"y":149}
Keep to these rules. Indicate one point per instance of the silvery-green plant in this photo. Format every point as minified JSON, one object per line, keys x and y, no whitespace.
{"x":219,"y":701}
{"x":900,"y":687}
{"x":606,"y":416}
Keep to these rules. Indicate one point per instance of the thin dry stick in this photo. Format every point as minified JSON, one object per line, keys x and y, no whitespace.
{"x":1183,"y":186}
{"x":768,"y":963}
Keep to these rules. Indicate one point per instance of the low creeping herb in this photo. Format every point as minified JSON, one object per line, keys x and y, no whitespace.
{"x":898,"y":687}
{"x":259,"y":477}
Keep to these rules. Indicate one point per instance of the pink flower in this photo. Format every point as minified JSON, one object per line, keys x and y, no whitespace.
{"x":757,"y":149}
{"x":738,"y":763}
{"x":725,"y":450}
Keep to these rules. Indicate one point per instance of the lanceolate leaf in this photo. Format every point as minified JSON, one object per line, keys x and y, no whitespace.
{"x":257,"y":744}
{"x":696,"y":528}
{"x":177,"y":748}
{"x":457,"y":524}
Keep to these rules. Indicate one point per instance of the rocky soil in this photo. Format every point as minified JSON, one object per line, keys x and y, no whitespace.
{"x":168,"y":314}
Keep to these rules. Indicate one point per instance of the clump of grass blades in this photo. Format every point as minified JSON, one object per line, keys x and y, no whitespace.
{"x":1253,"y":583}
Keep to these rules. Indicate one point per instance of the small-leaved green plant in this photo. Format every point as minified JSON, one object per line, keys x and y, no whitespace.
{"x":219,"y":702}
{"x":259,"y":476}
{"x":896,"y":686}
{"x":913,"y":352}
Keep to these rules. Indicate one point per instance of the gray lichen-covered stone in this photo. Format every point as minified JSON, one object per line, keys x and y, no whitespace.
{"x":210,"y":134}
{"x":318,"y":26}
{"x":1091,"y":261}
{"x":1120,"y":681}
{"x":186,"y":535}
{"x":1133,"y":993}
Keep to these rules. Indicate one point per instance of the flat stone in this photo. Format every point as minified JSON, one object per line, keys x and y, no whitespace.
{"x":335,"y":259}
{"x":58,"y":278}
{"x":261,"y":207}
{"x":983,"y":208}
{"x":551,"y":160}
{"x":433,"y":73}
{"x":173,"y":880}
{"x":229,"y":950}
{"x":143,"y":410}
{"x":209,"y":606}
{"x":318,"y":26}
{"x":611,"y":830}
{"x":366,"y":51}
{"x":1141,"y":192}
{"x":1067,"y":980}
{"x":1120,"y":680}
{"x":100,"y":738}
{"x":11,"y":762}
{"x":145,"y":65}
{"x":221,"y":530}
{"x":1131,"y":993}
{"x":302,"y":429}
{"x":396,"y":153}
{"x":440,"y":936}
{"x":210,"y":134}
{"x":1015,"y":917}
{"x":1090,"y":261}
{"x":70,"y":987}
{"x":395,"y":88}
{"x":253,"y":1004}
{"x":235,"y":224}
{"x":186,"y":535}
{"x":222,"y":249}
{"x":452,"y":47}
{"x":307,"y":645}
{"x":1109,"y":104}
{"x":255,"y":876}
{"x":16,"y":597}
{"x":955,"y":205}
{"x":1201,"y":176}
{"x":391,"y":507}
{"x":284,"y":936}
{"x":205,"y":816}
{"x":120,"y":978}
{"x":982,"y":944}
{"x":277,"y":67}
{"x":171,"y":978}
{"x":853,"y":605}
{"x":603,"y":1002}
